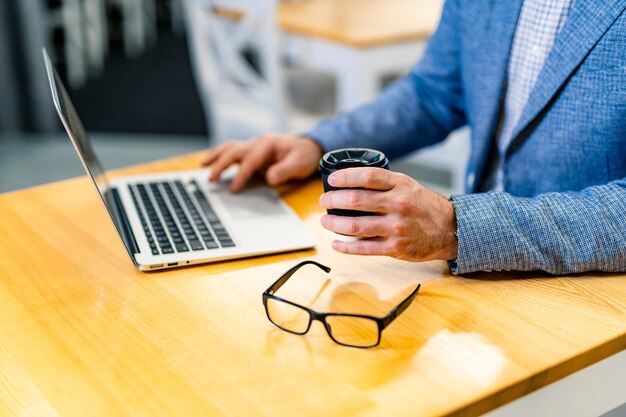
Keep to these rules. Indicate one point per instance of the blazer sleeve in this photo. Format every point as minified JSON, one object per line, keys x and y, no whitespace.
{"x":559,"y":233}
{"x":418,"y":110}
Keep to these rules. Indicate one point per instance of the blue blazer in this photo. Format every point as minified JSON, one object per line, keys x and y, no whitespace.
{"x":563,"y":209}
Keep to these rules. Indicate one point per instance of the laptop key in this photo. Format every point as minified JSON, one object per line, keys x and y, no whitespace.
{"x":182,"y":247}
{"x":155,"y":251}
{"x":196,"y":245}
{"x":212,"y":245}
{"x":167,"y":250}
{"x":227,"y":243}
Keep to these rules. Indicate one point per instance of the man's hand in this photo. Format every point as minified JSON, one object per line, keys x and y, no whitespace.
{"x":279,"y":157}
{"x":411,"y":222}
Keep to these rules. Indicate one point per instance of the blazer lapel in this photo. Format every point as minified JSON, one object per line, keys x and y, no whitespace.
{"x":490,"y":80}
{"x":585,"y":25}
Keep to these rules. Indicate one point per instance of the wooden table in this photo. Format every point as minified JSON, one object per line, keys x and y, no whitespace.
{"x":361,"y":23}
{"x":82,"y":333}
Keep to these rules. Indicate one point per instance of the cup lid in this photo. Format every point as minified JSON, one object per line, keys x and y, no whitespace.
{"x":353,"y":157}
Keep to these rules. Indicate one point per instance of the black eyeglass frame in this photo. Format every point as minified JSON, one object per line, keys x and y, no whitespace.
{"x":382,"y":322}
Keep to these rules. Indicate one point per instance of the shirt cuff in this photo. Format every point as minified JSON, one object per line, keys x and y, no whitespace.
{"x":480,"y":235}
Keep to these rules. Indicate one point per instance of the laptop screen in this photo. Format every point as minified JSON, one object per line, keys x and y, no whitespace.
{"x":78,"y":136}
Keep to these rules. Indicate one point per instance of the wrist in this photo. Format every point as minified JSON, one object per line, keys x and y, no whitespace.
{"x":450,"y":242}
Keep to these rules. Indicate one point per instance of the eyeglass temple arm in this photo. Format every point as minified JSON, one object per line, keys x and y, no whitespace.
{"x":399,"y":309}
{"x":281,"y":281}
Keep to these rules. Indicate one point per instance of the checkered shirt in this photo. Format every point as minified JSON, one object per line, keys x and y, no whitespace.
{"x":537,"y":28}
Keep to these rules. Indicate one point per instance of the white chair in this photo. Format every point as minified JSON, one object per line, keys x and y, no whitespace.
{"x":240,"y":100}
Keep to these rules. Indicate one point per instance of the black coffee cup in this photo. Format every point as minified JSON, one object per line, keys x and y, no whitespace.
{"x":350,"y":158}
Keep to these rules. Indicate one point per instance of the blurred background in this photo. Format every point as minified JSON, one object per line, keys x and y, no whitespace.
{"x":153,"y":79}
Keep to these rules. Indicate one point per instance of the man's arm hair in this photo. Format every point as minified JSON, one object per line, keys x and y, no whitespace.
{"x":418,"y":110}
{"x":559,"y":233}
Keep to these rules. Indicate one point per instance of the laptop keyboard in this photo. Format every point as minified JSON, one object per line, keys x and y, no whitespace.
{"x":171,"y":220}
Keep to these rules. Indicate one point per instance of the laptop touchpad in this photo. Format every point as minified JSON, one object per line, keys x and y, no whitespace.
{"x":251,"y":202}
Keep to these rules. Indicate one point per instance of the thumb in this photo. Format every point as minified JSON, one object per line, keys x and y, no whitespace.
{"x":288,"y":168}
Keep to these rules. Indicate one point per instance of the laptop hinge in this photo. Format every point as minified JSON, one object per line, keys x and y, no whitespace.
{"x":122,"y":222}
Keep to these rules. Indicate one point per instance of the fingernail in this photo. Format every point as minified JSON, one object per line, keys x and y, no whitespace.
{"x":331,"y":179}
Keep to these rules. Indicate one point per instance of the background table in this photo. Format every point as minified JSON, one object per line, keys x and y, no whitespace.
{"x":359,"y":41}
{"x":83,"y":333}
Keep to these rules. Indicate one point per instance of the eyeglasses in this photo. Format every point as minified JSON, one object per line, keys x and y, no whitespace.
{"x":354,"y":330}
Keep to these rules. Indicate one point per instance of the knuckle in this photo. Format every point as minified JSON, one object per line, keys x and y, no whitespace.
{"x":403,"y":178}
{"x":404,"y":206}
{"x":359,"y":246}
{"x":369,"y":176}
{"x":398,"y":228}
{"x":353,"y":199}
{"x":353,"y":227}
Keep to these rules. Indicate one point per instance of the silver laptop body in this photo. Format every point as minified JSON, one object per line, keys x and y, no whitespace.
{"x":175,"y":219}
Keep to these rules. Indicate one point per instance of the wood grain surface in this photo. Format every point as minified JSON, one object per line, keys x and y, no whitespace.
{"x":82,"y":333}
{"x":361,"y":23}
{"x":356,"y":23}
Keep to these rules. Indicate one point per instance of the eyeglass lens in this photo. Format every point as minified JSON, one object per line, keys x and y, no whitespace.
{"x":352,"y":330}
{"x":288,"y":316}
{"x":344,"y":329}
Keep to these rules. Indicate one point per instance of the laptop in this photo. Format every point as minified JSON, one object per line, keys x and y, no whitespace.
{"x":175,"y":219}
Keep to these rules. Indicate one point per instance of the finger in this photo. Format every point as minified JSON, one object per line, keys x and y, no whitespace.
{"x":370,"y":178}
{"x":210,"y":157}
{"x":369,"y":247}
{"x":366,"y":226}
{"x":214,"y":153}
{"x":288,"y":168}
{"x":226,"y":159}
{"x":364,"y":200}
{"x":253,"y":161}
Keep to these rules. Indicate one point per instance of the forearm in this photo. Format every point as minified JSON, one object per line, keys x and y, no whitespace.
{"x":560,"y":233}
{"x":395,"y":123}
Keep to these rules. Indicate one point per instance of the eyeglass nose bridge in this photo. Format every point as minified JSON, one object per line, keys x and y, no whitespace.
{"x":321,"y":318}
